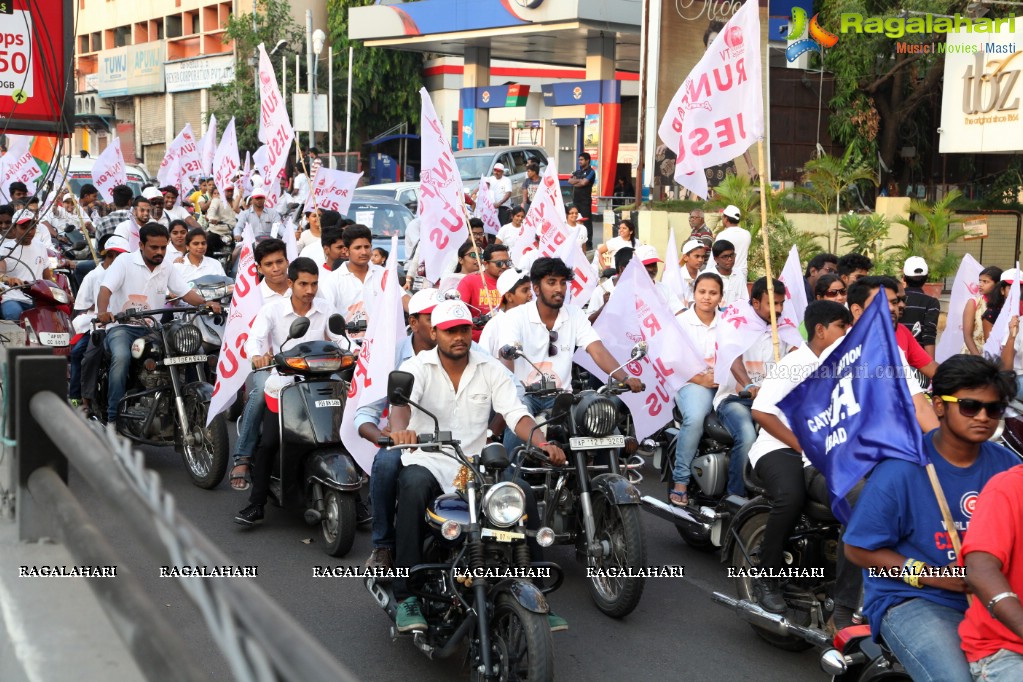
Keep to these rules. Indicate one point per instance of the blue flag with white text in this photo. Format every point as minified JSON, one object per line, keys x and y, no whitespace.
{"x":856,"y":409}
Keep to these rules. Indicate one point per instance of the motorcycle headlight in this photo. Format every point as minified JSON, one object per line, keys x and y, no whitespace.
{"x":212,"y":293}
{"x":185,"y":339}
{"x":504,"y":504}
{"x":59,"y":295}
{"x":138,"y":347}
{"x":596,"y":416}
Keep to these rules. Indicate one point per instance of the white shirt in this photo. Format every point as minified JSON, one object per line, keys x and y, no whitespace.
{"x":301,"y":188}
{"x":740,"y":239}
{"x":32,"y":261}
{"x":488,"y":337}
{"x":129,"y":231}
{"x":704,"y":336}
{"x":688,"y":287}
{"x":269,"y":295}
{"x":499,"y":188}
{"x":88,"y":292}
{"x":133,"y":286}
{"x":208,"y":266}
{"x":522,"y":325}
{"x":349,"y":295}
{"x":308,"y":238}
{"x":614,"y":244}
{"x":412,"y":236}
{"x":758,"y":360}
{"x":485,"y":384}
{"x":315,"y":253}
{"x":508,"y":233}
{"x":597,"y":299}
{"x":734,"y":285}
{"x":273,"y":322}
{"x":670,"y":298}
{"x":176,"y":213}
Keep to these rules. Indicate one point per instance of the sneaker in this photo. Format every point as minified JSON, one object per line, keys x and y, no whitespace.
{"x":382,"y":557}
{"x":362,"y":513}
{"x":769,"y":595}
{"x":250,"y":516}
{"x":409,"y":617}
{"x":557,"y":623}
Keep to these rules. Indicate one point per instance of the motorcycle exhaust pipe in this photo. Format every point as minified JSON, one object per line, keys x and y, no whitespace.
{"x":776,"y":623}
{"x":453,"y":643}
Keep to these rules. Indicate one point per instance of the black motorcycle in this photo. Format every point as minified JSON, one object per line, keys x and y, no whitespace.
{"x":470,"y":588}
{"x":855,"y":657}
{"x":589,"y":502}
{"x":313,"y":469}
{"x":168,"y":397}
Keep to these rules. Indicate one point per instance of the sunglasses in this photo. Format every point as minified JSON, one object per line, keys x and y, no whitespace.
{"x":900,"y":299}
{"x":552,"y":349}
{"x":968,"y":407}
{"x":473,"y":255}
{"x":834,"y":293}
{"x":501,"y":263}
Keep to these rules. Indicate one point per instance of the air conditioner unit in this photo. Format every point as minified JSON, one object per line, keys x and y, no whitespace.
{"x":92,"y":104}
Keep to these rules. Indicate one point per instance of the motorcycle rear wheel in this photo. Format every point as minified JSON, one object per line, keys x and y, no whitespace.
{"x":207,"y":462}
{"x":619,"y":528}
{"x":338,"y":524}
{"x":521,"y":644}
{"x":752,"y":534}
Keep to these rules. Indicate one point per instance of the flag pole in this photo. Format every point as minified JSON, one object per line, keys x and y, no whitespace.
{"x":767,"y":251}
{"x":946,"y":515}
{"x":475,"y":248}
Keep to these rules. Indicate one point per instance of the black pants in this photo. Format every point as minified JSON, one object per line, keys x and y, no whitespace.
{"x":781,"y":472}
{"x":586,"y":214}
{"x":91,"y":362}
{"x":264,"y":457}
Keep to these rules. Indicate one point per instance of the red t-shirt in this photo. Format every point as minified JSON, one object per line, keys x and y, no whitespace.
{"x":916,"y":356}
{"x":997,"y":529}
{"x":479,"y":300}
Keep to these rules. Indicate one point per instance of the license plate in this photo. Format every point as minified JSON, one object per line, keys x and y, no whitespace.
{"x":54,"y":338}
{"x":328,"y":403}
{"x":502,"y":535}
{"x":583,"y":443}
{"x":185,"y":360}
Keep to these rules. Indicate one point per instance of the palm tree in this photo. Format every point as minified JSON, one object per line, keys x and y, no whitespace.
{"x":864,"y":234}
{"x":827,"y":177}
{"x":930,"y":235}
{"x":782,"y":236}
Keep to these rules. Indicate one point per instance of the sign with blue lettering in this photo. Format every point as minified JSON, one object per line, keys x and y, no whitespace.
{"x":132,"y":70}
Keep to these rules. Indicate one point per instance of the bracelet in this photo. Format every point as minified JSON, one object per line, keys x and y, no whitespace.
{"x":997,"y":598}
{"x":748,"y":387}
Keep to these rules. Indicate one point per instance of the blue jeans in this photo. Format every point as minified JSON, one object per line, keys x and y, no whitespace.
{"x":252,"y":415}
{"x":383,"y":494}
{"x":1002,"y":666}
{"x":118,"y":343}
{"x":925,"y":637}
{"x":1019,"y":387}
{"x":535,"y":405}
{"x":12,"y":310}
{"x":695,"y":403}
{"x":74,"y":391}
{"x":735,"y":415}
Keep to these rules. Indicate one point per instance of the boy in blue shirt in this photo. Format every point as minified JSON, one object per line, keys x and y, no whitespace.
{"x":897,"y":526}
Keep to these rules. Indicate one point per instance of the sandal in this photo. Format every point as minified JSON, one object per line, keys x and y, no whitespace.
{"x":245,"y":477}
{"x":681,"y":495}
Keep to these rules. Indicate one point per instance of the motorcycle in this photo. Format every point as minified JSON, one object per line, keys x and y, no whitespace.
{"x":469,"y":589}
{"x":48,"y":321}
{"x":167,"y":397}
{"x":588,"y":504}
{"x":212,"y":327}
{"x":855,"y":657}
{"x":313,"y":470}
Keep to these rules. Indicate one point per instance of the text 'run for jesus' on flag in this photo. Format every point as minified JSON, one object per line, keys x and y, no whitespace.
{"x":856,"y":410}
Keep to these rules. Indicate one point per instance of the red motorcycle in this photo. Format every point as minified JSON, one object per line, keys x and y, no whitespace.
{"x":48,"y":322}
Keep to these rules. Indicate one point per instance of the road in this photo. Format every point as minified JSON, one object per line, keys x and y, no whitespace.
{"x":677,"y":632}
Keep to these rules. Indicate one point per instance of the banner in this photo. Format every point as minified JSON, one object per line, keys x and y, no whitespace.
{"x":225,"y":161}
{"x":671,"y":278}
{"x":965,"y":288}
{"x":442,"y":197}
{"x":855,"y":409}
{"x":485,"y":209}
{"x":234,"y":365}
{"x":791,"y":276}
{"x":718,"y":111}
{"x":636,"y":312}
{"x":1000,"y":331}
{"x":741,"y":327}
{"x":209,"y":146}
{"x":18,"y":166}
{"x":333,"y":190}
{"x":273,"y":194}
{"x":108,"y":171}
{"x":275,"y":129}
{"x":585,"y":277}
{"x":185,"y":151}
{"x":547,"y":210}
{"x":385,"y":331}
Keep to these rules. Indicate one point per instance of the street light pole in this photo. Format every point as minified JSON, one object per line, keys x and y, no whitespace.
{"x":330,"y":104}
{"x":309,"y":69}
{"x":318,"y":38}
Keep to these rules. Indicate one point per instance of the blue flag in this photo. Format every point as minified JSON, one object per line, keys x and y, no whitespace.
{"x":856,"y":410}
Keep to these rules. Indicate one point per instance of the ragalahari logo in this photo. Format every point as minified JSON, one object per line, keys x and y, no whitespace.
{"x":818,"y":40}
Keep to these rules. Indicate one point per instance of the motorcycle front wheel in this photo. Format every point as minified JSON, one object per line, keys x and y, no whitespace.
{"x":620,"y":533}
{"x":207,"y":457}
{"x":338,"y":523}
{"x":520,"y":643}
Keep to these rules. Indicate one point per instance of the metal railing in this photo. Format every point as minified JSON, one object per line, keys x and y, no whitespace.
{"x":259,"y":639}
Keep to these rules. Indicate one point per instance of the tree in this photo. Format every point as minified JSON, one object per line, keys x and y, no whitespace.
{"x":239,"y":98}
{"x":386,"y":83}
{"x":828,"y":176}
{"x":930,"y":235}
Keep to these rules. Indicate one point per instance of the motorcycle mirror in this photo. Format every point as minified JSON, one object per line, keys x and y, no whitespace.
{"x":336,"y":324}
{"x":399,"y":387}
{"x":639,"y":351}
{"x":510,"y":352}
{"x":495,"y":457}
{"x":298,"y":328}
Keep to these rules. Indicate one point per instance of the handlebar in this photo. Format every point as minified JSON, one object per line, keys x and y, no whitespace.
{"x":123,"y":317}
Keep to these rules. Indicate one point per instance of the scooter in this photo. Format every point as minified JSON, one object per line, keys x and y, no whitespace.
{"x":855,"y":657}
{"x":48,"y":322}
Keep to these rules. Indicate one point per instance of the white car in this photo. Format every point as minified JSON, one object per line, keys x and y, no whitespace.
{"x":80,"y":174}
{"x":476,"y":163}
{"x":405,"y":193}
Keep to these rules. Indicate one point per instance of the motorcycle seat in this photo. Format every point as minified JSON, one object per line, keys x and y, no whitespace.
{"x":818,"y":503}
{"x":713,"y":428}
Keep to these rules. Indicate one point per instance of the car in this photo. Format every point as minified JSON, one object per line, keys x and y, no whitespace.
{"x":476,"y":163}
{"x":405,"y":193}
{"x":385,"y":218}
{"x":80,"y":173}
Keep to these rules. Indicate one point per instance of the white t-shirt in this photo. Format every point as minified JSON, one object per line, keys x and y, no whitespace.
{"x":498,"y":188}
{"x":687,"y":286}
{"x":758,"y":360}
{"x":301,"y":187}
{"x":740,"y":239}
{"x":177,"y":213}
{"x":32,"y":261}
{"x":614,"y":244}
{"x":315,"y":253}
{"x":208,"y":266}
{"x":508,"y":233}
{"x":133,"y":286}
{"x":597,"y":299}
{"x":522,"y":325}
{"x":704,"y":336}
{"x":273,"y":322}
{"x":308,"y":238}
{"x":734,"y":286}
{"x":129,"y":231}
{"x":670,"y":298}
{"x":488,"y":337}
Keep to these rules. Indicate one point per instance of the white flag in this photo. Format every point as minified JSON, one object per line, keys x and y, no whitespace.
{"x":718,"y":112}
{"x":636,"y":312}
{"x":209,"y":146}
{"x":441,"y":195}
{"x":485,"y":209}
{"x":108,"y":171}
{"x":245,"y":181}
{"x":384,"y":332}
{"x":1000,"y":330}
{"x":185,"y":151}
{"x":234,"y":365}
{"x":287,"y":236}
{"x":225,"y":161}
{"x":966,"y":287}
{"x":275,"y":129}
{"x":671,"y":278}
{"x":18,"y":166}
{"x":740,"y":327}
{"x":584,"y":276}
{"x":273,"y":194}
{"x":333,"y":190}
{"x":791,"y":276}
{"x":546,"y":211}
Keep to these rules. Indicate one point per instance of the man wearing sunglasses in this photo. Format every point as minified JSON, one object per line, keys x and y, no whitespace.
{"x":481,"y":293}
{"x":863,"y":290}
{"x":897,"y":525}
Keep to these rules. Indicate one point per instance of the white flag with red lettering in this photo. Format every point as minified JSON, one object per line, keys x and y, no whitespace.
{"x":1000,"y":331}
{"x":273,"y":193}
{"x":333,"y":190}
{"x":226,"y":161}
{"x":672,"y":276}
{"x":275,"y":129}
{"x":546,"y":212}
{"x":485,"y":209}
{"x":584,"y":276}
{"x":209,"y":146}
{"x":965,"y":288}
{"x":741,"y":327}
{"x":636,"y":312}
{"x":384,"y":332}
{"x":234,"y":364}
{"x":445,"y":227}
{"x":185,"y":152}
{"x":18,"y":166}
{"x":795,"y":293}
{"x":718,"y":112}
{"x":108,"y":171}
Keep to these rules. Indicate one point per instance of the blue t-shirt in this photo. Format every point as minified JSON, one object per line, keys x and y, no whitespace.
{"x":898,"y":510}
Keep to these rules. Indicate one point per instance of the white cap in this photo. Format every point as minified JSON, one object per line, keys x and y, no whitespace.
{"x":915,"y":267}
{"x":23,"y":216}
{"x":450,"y":314}
{"x":693,"y":244}
{"x":275,"y":383}
{"x":732,"y":211}
{"x":508,"y":279}
{"x":1010,"y":275}
{"x":423,"y":301}
{"x":258,"y":191}
{"x":116,"y":243}
{"x":499,"y":166}
{"x":647,"y":254}
{"x":152,"y":193}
